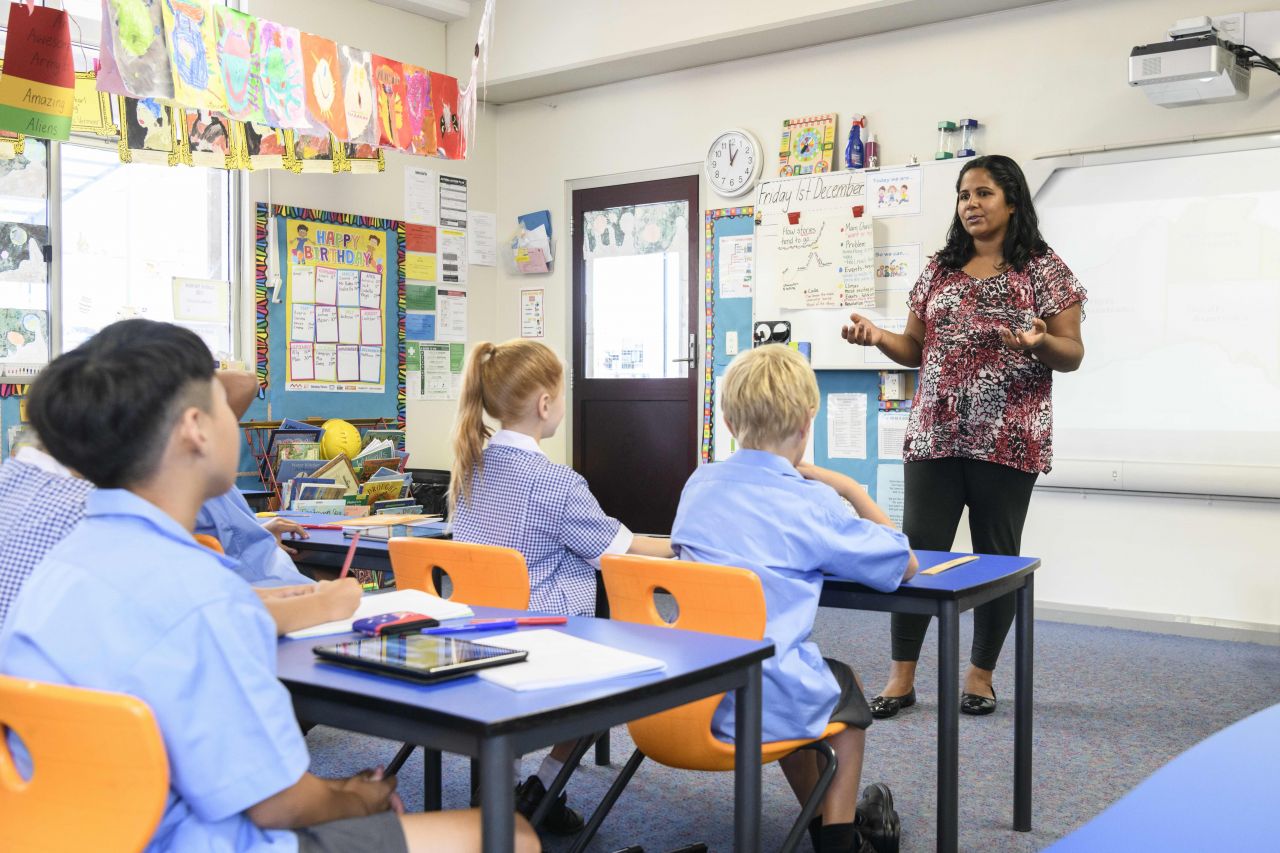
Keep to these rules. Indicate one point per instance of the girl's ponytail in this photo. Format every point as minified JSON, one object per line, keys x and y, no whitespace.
{"x":470,"y":431}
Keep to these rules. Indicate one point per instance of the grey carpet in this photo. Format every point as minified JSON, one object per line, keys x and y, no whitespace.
{"x":1111,"y":707}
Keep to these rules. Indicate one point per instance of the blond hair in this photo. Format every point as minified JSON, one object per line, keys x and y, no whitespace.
{"x":500,"y":380}
{"x":768,"y":393}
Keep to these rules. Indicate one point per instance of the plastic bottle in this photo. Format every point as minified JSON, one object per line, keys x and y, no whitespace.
{"x":872,"y":153}
{"x":853,"y":151}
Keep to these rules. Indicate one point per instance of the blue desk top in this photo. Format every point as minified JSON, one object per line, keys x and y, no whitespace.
{"x":334,"y":540}
{"x":971,"y":577}
{"x":1222,"y":794}
{"x":480,"y":706}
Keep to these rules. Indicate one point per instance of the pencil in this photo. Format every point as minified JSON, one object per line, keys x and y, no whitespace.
{"x":351,"y":553}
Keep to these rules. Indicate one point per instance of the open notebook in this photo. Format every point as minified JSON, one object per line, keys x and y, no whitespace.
{"x":412,"y":600}
{"x":557,"y":659}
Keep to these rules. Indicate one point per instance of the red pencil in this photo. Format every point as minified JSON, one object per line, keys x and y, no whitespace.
{"x":319,"y":527}
{"x":351,"y":553}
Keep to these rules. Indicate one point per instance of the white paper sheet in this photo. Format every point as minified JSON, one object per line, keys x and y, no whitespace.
{"x":413,"y":600}
{"x":326,"y":285}
{"x":451,"y":315}
{"x":370,"y":364}
{"x":451,"y":264}
{"x":326,"y":360}
{"x":734,"y":262}
{"x":200,"y":300}
{"x":303,"y":327}
{"x":482,"y":239}
{"x":891,"y":432}
{"x":420,"y":196}
{"x":453,"y":202}
{"x":847,"y":426}
{"x":349,"y":287}
{"x":557,"y":659}
{"x":531,"y":314}
{"x":371,"y":327}
{"x":326,"y":324}
{"x":890,"y":491}
{"x":302,"y":360}
{"x":370,"y":290}
{"x":348,"y":363}
{"x":348,"y":325}
{"x":871,"y":355}
{"x":302,"y":280}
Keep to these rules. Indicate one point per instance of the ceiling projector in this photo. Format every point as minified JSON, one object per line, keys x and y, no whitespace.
{"x":1197,"y":65}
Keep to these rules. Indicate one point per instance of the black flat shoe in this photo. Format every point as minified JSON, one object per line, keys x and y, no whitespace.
{"x":977,"y":706}
{"x":876,"y":819}
{"x":884,"y":707}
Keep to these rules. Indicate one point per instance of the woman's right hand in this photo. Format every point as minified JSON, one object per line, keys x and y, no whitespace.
{"x":862,"y":331}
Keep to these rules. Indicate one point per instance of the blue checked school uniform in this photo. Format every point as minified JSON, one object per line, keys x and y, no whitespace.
{"x":130,"y":602}
{"x":756,"y":512}
{"x":521,"y":499}
{"x":40,"y":503}
{"x":262,"y":562}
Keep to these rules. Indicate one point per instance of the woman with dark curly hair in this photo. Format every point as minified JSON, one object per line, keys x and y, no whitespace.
{"x":994,"y":313}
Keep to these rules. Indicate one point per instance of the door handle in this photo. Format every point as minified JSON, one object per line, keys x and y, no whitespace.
{"x":693,"y":343}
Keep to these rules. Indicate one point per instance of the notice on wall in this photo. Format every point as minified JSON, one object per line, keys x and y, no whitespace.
{"x":734,"y":266}
{"x":532,"y":323}
{"x":451,"y":315}
{"x":442,"y":371}
{"x":891,"y":492}
{"x":452,"y":264}
{"x":894,"y":192}
{"x":453,"y":202}
{"x":420,"y":196}
{"x":891,"y":433}
{"x":897,"y":267}
{"x":482,"y":239}
{"x":847,"y":426}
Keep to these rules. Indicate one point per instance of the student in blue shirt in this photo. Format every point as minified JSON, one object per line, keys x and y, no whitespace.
{"x":510,"y":494}
{"x":129,"y":602}
{"x":766,"y":511}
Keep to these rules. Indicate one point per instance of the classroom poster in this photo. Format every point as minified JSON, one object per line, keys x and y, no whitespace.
{"x":897,"y":267}
{"x":894,"y":192}
{"x":451,"y":315}
{"x":891,"y":492}
{"x":532,"y":319}
{"x":826,"y":263}
{"x":336,"y":307}
{"x":441,"y":371}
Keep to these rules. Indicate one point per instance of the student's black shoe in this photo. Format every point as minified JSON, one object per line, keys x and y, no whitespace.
{"x":977,"y":706}
{"x":561,"y":820}
{"x":842,"y":838}
{"x":876,"y":819}
{"x":884,"y":707}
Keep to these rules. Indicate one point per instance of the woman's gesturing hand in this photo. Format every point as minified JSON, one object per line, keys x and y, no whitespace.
{"x":862,"y":331}
{"x":1029,"y":340}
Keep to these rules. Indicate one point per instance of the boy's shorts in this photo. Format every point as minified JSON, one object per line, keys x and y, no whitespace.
{"x":851,"y":708}
{"x":376,"y":833}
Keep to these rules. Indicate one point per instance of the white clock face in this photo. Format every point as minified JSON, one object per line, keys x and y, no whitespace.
{"x":733,"y":163}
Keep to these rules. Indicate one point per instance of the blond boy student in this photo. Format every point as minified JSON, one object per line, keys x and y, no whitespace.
{"x":129,"y":602}
{"x":766,"y":511}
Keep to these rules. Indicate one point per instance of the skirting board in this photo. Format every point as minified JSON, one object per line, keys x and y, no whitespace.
{"x":1160,"y":623}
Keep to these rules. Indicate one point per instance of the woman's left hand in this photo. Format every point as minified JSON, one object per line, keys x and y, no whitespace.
{"x":1029,"y":340}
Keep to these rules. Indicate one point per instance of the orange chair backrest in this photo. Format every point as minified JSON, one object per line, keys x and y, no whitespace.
{"x":99,"y":780}
{"x":482,"y":575}
{"x":210,"y":542}
{"x":713,"y":599}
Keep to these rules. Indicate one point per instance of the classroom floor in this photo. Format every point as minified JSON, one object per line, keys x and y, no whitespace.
{"x":1111,"y":707}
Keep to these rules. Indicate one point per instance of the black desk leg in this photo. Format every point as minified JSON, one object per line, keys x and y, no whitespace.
{"x":746,"y":763}
{"x":602,"y":750}
{"x":602,"y":612}
{"x":1024,"y":671}
{"x":431,"y":793}
{"x":497,"y":796}
{"x":948,"y":726}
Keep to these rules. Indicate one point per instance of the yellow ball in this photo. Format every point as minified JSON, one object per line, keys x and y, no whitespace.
{"x":339,"y":437}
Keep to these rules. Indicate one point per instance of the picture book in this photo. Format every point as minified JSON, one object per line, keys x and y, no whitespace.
{"x":379,"y":449}
{"x":338,"y":507}
{"x":395,"y":436}
{"x":291,"y":488}
{"x":291,"y":424}
{"x":289,"y":434}
{"x":382,"y":490}
{"x":297,"y":450}
{"x":408,"y":505}
{"x":291,"y":468}
{"x":339,"y":468}
{"x":319,"y":492}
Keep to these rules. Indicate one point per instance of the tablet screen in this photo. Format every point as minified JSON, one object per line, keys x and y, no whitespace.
{"x":418,"y":655}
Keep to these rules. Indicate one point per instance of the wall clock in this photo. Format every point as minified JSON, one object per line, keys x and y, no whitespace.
{"x":733,"y":163}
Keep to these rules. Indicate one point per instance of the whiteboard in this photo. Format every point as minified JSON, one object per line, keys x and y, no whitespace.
{"x":906,"y":234}
{"x":1179,"y":249}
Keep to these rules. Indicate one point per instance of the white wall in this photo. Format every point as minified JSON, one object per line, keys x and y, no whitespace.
{"x":411,"y":38}
{"x":1041,"y":79}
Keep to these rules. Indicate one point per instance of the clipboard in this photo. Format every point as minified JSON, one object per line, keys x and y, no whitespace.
{"x":949,"y":564}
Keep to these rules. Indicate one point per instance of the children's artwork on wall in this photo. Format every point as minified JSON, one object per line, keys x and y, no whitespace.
{"x":313,"y":153}
{"x":808,"y":145}
{"x":11,"y":145}
{"x":91,"y":109}
{"x":132,"y":50}
{"x":24,"y":336}
{"x":241,"y":75}
{"x":22,"y":244}
{"x":450,"y":141}
{"x":208,"y":140}
{"x":280,"y":53}
{"x":266,"y":147}
{"x":38,"y":86}
{"x":360,"y":158}
{"x":419,"y":114}
{"x":325,"y":108}
{"x":191,"y":37}
{"x":388,"y":78}
{"x":359,"y":103}
{"x":147,"y":132}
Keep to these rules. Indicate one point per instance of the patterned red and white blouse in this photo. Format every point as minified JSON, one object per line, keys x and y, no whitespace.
{"x":977,"y":398}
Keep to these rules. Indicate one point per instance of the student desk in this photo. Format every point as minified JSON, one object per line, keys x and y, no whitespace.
{"x":328,"y":548}
{"x":1220,"y":795}
{"x":946,"y":596}
{"x":472,"y":717}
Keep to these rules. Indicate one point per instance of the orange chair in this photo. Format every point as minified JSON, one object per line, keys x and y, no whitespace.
{"x":715,"y":600}
{"x":100,"y":777}
{"x":483,"y":575}
{"x":210,"y":542}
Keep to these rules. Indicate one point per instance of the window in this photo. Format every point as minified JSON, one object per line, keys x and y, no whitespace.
{"x":130,"y":240}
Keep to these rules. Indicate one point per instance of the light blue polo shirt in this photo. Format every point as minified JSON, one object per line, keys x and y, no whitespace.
{"x":756,"y":512}
{"x":262,"y":562}
{"x":130,"y":602}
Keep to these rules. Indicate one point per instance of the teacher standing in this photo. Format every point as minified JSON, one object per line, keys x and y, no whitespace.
{"x":994,"y":313}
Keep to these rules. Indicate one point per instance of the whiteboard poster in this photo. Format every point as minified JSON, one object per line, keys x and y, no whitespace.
{"x":826,"y":263}
{"x":735,"y":263}
{"x":856,"y":270}
{"x":897,"y":267}
{"x":894,"y":192}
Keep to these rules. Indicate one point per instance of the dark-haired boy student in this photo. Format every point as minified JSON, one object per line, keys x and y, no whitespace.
{"x":766,"y":511}
{"x":129,"y":602}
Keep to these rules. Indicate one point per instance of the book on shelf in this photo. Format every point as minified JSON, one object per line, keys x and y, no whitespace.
{"x":299,"y":449}
{"x":339,"y":469}
{"x":322,"y":491}
{"x":395,"y":436}
{"x":429,"y":525}
{"x":338,"y":507}
{"x":381,"y":449}
{"x":407,"y":506}
{"x":291,"y":424}
{"x":291,"y":468}
{"x":289,"y":488}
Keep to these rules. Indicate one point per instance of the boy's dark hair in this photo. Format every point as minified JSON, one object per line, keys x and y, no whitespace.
{"x":105,"y":409}
{"x":1022,"y":240}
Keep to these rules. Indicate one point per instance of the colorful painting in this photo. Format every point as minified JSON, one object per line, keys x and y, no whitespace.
{"x":388,"y":78}
{"x":358,"y":100}
{"x":132,"y":53}
{"x":24,"y":334}
{"x":191,"y":37}
{"x":241,"y":76}
{"x":280,"y":51}
{"x":360,"y":158}
{"x":207,"y":139}
{"x":266,"y":147}
{"x":450,"y":141}
{"x":147,"y":132}
{"x":313,"y":153}
{"x":91,"y":109}
{"x":808,"y":145}
{"x":419,"y":116}
{"x":325,"y":108}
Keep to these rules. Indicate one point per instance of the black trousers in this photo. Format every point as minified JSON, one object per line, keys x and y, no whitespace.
{"x":937,"y":491}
